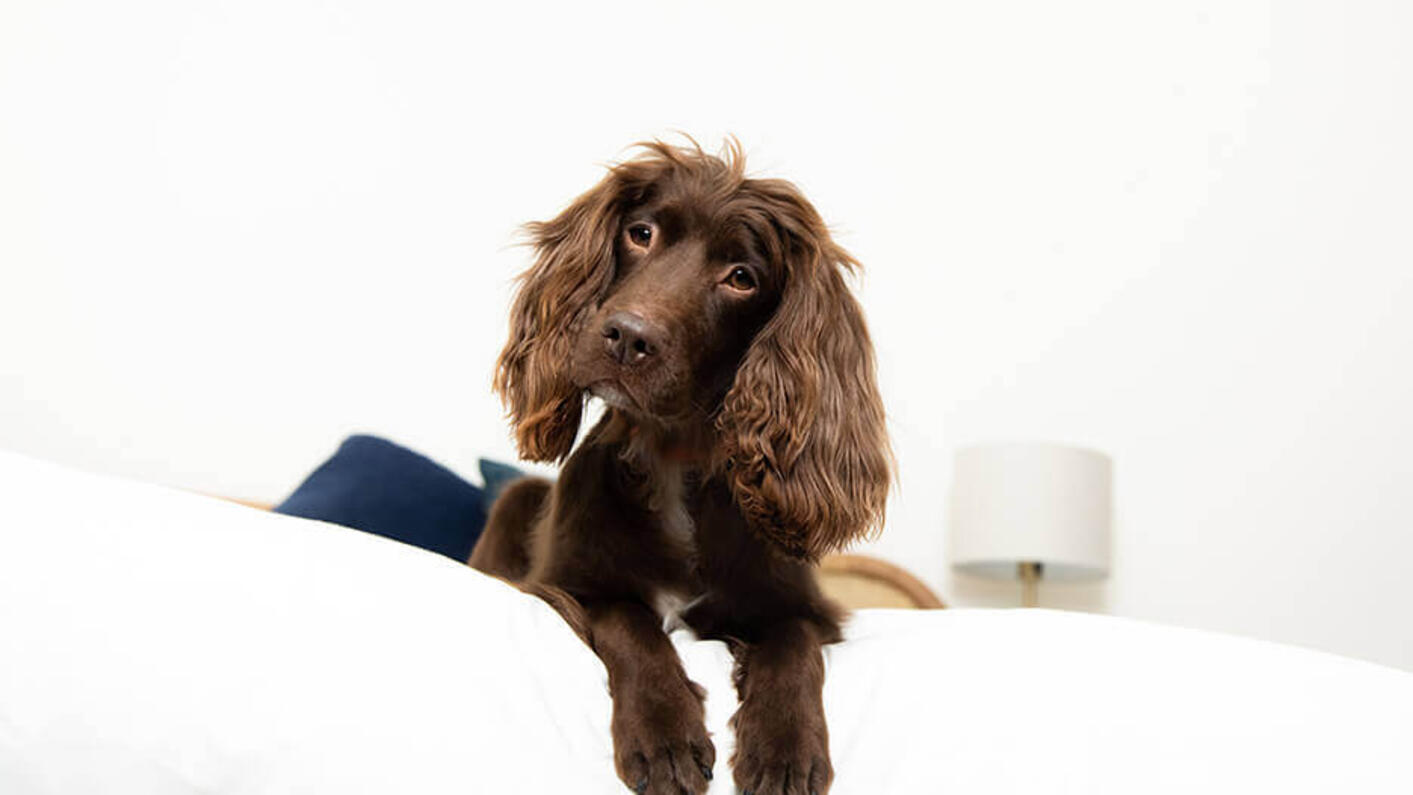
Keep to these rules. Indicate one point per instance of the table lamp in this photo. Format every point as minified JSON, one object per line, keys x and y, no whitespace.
{"x":1028,"y":511}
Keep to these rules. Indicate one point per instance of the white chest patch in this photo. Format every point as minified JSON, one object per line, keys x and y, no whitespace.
{"x":670,"y":605}
{"x":676,"y":523}
{"x":671,"y":509}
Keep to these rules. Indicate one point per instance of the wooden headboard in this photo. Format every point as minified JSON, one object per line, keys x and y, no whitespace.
{"x":861,"y":581}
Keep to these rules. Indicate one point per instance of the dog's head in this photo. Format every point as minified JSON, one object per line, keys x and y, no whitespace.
{"x":685,"y":294}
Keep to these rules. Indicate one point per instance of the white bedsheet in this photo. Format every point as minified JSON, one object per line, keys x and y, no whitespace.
{"x":158,"y":642}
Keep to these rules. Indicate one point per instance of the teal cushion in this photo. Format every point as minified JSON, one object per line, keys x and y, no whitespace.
{"x":496,"y":476}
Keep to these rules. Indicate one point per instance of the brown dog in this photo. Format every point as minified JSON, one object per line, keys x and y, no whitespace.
{"x":743,"y":438}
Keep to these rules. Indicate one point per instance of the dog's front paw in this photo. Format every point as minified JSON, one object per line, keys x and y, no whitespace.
{"x":660,"y":742}
{"x":781,"y":749}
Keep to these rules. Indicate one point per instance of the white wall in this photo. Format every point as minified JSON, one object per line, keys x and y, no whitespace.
{"x":232,"y":233}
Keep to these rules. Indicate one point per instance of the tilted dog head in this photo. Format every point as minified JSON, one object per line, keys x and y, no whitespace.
{"x":683,"y":293}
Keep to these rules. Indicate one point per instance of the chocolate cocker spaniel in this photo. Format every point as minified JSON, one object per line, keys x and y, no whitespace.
{"x":743,"y":438}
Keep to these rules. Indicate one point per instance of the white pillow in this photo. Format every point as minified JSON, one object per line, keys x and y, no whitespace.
{"x":158,"y":642}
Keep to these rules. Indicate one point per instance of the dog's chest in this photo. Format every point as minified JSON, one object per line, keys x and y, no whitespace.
{"x":666,"y":498}
{"x":669,"y":505}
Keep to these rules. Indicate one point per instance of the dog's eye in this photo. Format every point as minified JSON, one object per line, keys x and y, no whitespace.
{"x":640,"y":235}
{"x":741,"y":279}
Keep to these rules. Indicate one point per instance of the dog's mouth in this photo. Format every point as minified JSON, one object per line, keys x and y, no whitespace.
{"x":615,"y":395}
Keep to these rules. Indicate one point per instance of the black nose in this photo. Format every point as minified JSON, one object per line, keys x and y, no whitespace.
{"x":630,"y":339}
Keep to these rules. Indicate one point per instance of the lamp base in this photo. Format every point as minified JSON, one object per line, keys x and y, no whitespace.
{"x":1029,"y":573}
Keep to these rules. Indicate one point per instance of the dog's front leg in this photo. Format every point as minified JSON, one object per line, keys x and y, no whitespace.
{"x":660,"y":742}
{"x":782,"y":742}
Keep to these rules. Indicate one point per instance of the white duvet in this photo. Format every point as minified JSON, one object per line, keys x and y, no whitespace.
{"x":158,"y":642}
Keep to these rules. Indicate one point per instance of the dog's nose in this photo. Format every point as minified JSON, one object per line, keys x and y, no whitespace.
{"x":631,"y":339}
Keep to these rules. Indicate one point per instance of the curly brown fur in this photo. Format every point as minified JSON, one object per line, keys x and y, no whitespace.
{"x":744,"y":438}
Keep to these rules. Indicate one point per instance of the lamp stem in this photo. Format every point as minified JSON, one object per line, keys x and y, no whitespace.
{"x":1030,"y":582}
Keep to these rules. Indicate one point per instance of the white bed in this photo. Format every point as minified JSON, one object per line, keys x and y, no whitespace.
{"x":153,"y":641}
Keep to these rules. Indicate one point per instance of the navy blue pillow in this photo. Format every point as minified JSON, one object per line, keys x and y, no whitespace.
{"x":374,"y":485}
{"x":496,"y":476}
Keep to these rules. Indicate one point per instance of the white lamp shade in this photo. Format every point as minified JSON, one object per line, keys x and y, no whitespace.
{"x":1031,"y":503}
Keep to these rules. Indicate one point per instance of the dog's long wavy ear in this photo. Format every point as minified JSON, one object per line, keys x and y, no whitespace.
{"x":802,"y":427}
{"x":573,"y":268}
